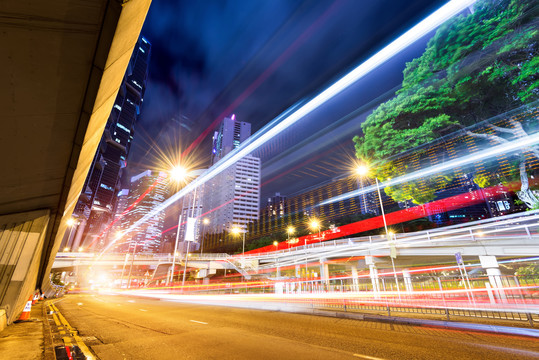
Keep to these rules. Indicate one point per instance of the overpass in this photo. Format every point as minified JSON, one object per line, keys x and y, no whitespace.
{"x":515,"y":235}
{"x":63,"y":64}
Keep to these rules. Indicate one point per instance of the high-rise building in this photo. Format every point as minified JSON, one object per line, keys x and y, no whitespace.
{"x":232,"y":198}
{"x":276,"y":206}
{"x":98,"y":199}
{"x":146,"y":237}
{"x":230,"y":135}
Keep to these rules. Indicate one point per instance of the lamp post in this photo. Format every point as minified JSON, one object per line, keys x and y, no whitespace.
{"x":131,"y":267}
{"x":189,"y":242}
{"x":205,"y":222}
{"x":236,"y":231}
{"x":363,"y":170}
{"x":178,"y":174}
{"x":315,"y":225}
{"x":290,"y":231}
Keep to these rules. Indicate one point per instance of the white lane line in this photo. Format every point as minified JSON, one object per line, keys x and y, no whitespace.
{"x":199,"y":322}
{"x":367,"y":357}
{"x":131,"y":301}
{"x":80,"y":304}
{"x":143,"y":310}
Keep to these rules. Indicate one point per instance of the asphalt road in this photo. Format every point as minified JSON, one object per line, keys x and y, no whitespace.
{"x":118,"y":327}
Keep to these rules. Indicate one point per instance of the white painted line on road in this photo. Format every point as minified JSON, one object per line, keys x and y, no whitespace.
{"x":199,"y":322}
{"x":80,"y":304}
{"x":367,"y":357}
{"x":131,"y":301}
{"x":143,"y":310}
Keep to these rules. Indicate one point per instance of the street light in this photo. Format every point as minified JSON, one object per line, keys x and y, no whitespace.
{"x":290,"y":231}
{"x":194,"y":233}
{"x":363,"y":170}
{"x":314,"y":224}
{"x":205,"y":222}
{"x":178,"y":174}
{"x":236,"y":231}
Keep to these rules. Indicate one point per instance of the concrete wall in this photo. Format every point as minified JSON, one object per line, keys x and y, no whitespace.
{"x":21,"y":243}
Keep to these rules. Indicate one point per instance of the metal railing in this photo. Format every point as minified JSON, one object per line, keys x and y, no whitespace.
{"x":450,"y":296}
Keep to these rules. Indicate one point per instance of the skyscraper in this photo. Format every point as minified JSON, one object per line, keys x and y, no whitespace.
{"x":97,"y":200}
{"x":232,"y":198}
{"x":148,"y":236}
{"x":230,"y":135}
{"x":276,"y":206}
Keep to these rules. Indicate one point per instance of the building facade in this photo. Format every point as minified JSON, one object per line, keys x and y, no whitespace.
{"x":95,"y":208}
{"x":232,"y":198}
{"x":146,"y":237}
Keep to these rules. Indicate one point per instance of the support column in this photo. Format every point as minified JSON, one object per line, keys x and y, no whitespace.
{"x":296,"y":286}
{"x":407,"y":280}
{"x":78,"y":236}
{"x":490,"y":264}
{"x":22,"y":237}
{"x":324,"y":272}
{"x":355,"y":283}
{"x":373,"y":272}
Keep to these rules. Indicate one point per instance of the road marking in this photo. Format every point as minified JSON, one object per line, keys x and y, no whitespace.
{"x":80,"y":304}
{"x":367,"y":357}
{"x":131,"y":301}
{"x":60,"y":319}
{"x":199,"y":322}
{"x":67,"y":341}
{"x":143,"y":310}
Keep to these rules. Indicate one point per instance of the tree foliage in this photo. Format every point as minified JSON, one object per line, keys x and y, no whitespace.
{"x":476,"y":66}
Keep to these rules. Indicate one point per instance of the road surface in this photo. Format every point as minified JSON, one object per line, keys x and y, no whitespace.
{"x":119,"y":327}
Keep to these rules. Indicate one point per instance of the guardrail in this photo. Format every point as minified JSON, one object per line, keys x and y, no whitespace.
{"x":449,"y":296}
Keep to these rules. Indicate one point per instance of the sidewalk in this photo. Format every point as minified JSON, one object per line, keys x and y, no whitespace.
{"x":25,"y":340}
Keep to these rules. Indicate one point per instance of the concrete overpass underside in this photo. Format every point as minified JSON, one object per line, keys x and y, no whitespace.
{"x":62,"y":64}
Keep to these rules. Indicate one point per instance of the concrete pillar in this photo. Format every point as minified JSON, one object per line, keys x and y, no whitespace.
{"x":21,"y":242}
{"x":373,"y":273}
{"x":78,"y":236}
{"x":324,"y":272}
{"x":407,"y":280}
{"x":277,"y":272}
{"x":355,"y":283}
{"x":490,"y":264}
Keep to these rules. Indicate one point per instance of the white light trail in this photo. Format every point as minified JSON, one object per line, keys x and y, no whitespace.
{"x":505,"y":148}
{"x":284,"y":121}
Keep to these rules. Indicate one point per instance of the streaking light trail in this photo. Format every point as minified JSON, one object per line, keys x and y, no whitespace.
{"x":289,"y":118}
{"x":512,"y":146}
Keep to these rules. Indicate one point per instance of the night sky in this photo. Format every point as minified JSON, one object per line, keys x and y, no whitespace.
{"x":256,"y":58}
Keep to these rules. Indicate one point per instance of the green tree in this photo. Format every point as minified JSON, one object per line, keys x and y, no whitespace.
{"x":475,"y":67}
